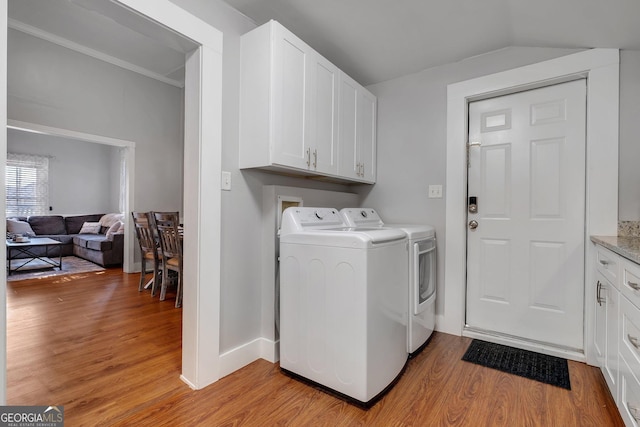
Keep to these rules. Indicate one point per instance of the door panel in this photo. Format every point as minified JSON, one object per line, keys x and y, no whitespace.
{"x":325,"y":135}
{"x":525,"y":260}
{"x":366,"y":138}
{"x":291,"y":61}
{"x":496,"y":176}
{"x":348,"y":159}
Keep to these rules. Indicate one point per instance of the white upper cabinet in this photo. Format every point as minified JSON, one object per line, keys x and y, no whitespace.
{"x":290,"y":103}
{"x":357,"y":158}
{"x":323,"y":126}
{"x":366,"y":139}
{"x":290,"y":113}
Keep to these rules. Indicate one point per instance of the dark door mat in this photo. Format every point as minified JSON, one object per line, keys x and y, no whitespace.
{"x":540,"y":367}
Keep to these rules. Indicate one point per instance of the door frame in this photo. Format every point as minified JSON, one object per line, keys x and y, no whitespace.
{"x":202,"y":207}
{"x":601,"y":68}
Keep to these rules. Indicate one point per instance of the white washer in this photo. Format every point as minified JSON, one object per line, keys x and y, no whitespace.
{"x":342,"y":303}
{"x":422,"y":273}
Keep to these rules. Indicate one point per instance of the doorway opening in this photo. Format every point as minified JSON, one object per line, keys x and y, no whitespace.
{"x":127,"y":190}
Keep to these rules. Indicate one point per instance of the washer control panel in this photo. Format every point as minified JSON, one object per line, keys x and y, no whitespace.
{"x":304,"y":218}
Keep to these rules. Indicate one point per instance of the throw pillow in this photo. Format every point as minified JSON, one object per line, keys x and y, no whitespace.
{"x":19,"y":227}
{"x":113,"y":229}
{"x":90,"y":228}
{"x":109,"y":219}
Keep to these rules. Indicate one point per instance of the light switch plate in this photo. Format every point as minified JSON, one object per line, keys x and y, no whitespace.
{"x":226,"y":181}
{"x":435,"y":191}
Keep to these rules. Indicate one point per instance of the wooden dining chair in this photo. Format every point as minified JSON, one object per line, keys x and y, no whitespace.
{"x":167,"y":224}
{"x":149,"y":248}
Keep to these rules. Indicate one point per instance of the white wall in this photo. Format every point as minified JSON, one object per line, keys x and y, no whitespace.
{"x":54,"y":86}
{"x":81,"y":178}
{"x":629,"y":152}
{"x":241,"y":278}
{"x":115,"y":161}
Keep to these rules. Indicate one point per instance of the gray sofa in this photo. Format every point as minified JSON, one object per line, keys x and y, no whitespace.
{"x":105,"y":250}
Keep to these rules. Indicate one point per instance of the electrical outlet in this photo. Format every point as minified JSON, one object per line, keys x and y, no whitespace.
{"x":435,"y":191}
{"x":226,"y":181}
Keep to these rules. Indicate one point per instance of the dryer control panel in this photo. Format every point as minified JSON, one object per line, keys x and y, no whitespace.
{"x":361,"y":217}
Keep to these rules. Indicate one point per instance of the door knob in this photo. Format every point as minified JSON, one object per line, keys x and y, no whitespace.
{"x":473,"y":224}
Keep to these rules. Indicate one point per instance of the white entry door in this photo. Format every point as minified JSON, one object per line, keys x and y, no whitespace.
{"x":525,"y":257}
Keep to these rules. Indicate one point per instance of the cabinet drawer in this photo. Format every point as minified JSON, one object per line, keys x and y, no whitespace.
{"x":629,"y":403}
{"x":630,"y":282}
{"x":607,"y":263}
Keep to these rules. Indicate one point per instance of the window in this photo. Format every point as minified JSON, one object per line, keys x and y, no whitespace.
{"x":27,"y":185}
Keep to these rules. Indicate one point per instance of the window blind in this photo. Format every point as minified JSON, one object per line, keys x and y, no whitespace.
{"x":27,"y":185}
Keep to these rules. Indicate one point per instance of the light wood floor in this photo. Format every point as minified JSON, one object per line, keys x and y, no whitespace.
{"x":111,"y":356}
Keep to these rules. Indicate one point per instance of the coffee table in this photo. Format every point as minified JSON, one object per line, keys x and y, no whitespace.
{"x":32,"y":260}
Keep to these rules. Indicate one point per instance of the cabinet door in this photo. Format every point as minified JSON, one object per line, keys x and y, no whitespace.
{"x":366,"y":140}
{"x":610,"y":368}
{"x":348,"y":164}
{"x":600,"y":338}
{"x":290,"y":104}
{"x":323,"y":122}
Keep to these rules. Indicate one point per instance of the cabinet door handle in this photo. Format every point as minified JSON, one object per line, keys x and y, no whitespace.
{"x":603,"y":262}
{"x":634,"y":341}
{"x":308,"y":157}
{"x":598,"y":290}
{"x":362,"y":172}
{"x":315,"y":159}
{"x":633,"y":285}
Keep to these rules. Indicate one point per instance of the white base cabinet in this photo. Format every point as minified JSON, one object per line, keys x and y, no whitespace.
{"x":606,"y":339}
{"x":617,"y":330}
{"x":294,"y":118}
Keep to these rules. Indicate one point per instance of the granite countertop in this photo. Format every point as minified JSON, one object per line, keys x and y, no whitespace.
{"x":626,"y":246}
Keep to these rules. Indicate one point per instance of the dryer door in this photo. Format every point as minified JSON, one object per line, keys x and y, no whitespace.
{"x":424,"y":274}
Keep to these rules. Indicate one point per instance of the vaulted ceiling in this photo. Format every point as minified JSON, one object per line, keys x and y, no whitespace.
{"x":372,"y":40}
{"x":376,"y":40}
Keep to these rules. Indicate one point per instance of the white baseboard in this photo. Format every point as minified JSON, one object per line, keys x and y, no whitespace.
{"x":187,"y":382}
{"x":137,"y":266}
{"x":241,"y":356}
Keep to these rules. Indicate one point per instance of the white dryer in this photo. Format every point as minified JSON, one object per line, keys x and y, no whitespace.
{"x":342,"y":303}
{"x":422,"y":273}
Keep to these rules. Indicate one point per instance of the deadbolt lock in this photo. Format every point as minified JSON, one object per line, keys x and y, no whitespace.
{"x":473,"y":204}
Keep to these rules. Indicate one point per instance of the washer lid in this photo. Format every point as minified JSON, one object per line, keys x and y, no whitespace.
{"x":345,"y":237}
